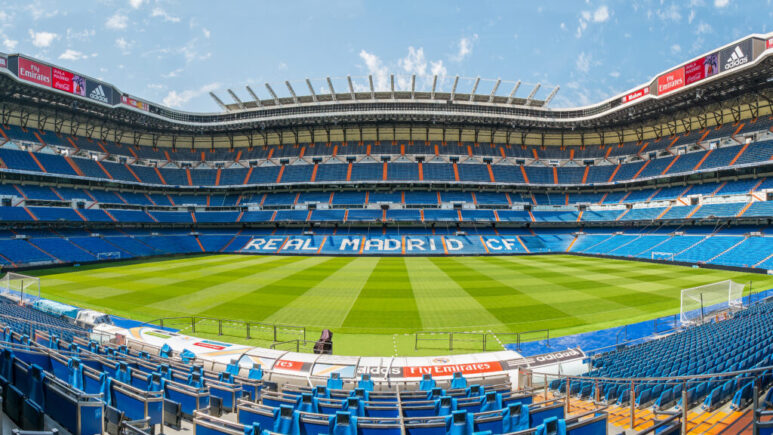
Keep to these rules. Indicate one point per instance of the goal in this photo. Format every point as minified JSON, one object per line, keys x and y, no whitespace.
{"x":20,"y":287}
{"x":669,"y":256}
{"x":702,"y":302}
{"x":108,"y":255}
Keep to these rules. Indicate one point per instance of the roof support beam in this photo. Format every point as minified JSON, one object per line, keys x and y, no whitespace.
{"x":494,"y":91}
{"x":512,"y":93}
{"x":550,"y":97}
{"x":453,"y":88}
{"x":392,"y":84}
{"x":413,"y":86}
{"x":434,"y":85}
{"x":218,"y":101}
{"x":372,"y":89}
{"x":474,"y":88}
{"x":332,"y":90}
{"x":532,"y":94}
{"x":292,"y":92}
{"x":254,"y":97}
{"x":273,"y":94}
{"x":236,"y":99}
{"x":351,"y":87}
{"x":311,"y":89}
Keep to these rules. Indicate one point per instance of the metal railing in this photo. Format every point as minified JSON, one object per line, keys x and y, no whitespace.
{"x":273,"y":332}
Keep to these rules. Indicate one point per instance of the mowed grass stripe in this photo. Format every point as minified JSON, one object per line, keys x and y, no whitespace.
{"x":267,"y":292}
{"x":387,"y":300}
{"x":507,"y":303}
{"x":443,"y":303}
{"x":327,"y":304}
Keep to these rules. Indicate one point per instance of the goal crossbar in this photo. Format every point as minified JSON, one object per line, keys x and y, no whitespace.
{"x":17,"y":286}
{"x":698,"y":303}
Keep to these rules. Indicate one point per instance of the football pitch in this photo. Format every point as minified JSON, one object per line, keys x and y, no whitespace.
{"x":374,"y":305}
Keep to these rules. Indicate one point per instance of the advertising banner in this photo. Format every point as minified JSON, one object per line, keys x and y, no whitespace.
{"x":671,"y":81}
{"x":129,"y":101}
{"x":3,"y":62}
{"x":99,"y":92}
{"x":736,"y":55}
{"x":769,"y":43}
{"x":635,"y":95}
{"x":68,"y":82}
{"x":34,"y":72}
{"x":702,"y":68}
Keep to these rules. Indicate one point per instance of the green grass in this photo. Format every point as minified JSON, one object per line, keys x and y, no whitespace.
{"x":374,"y":305}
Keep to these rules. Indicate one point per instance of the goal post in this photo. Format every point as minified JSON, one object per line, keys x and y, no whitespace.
{"x":115,"y":255}
{"x":662,"y":256}
{"x":698,"y":303}
{"x":20,"y":287}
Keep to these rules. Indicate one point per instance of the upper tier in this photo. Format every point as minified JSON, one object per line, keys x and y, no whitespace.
{"x":747,"y":143}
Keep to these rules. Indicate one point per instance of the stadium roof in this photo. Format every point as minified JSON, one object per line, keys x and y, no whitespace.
{"x":716,"y":87}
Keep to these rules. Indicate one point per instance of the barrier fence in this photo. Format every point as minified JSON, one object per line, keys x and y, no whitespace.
{"x":475,"y":341}
{"x":271,"y":333}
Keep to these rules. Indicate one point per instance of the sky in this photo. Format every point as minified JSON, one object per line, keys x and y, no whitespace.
{"x":175,"y":52}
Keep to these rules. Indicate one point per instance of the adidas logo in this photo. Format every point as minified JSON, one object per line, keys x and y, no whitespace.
{"x":98,"y":94}
{"x":737,"y":58}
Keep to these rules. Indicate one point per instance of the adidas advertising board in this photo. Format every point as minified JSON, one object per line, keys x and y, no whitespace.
{"x":736,"y":55}
{"x":99,"y":92}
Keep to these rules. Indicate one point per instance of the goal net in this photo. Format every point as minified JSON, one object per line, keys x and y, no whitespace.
{"x":17,"y":287}
{"x":662,"y":256}
{"x":700,"y":303}
{"x":108,"y":255}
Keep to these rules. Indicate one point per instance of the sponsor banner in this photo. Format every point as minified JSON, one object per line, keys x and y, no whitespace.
{"x":99,"y":92}
{"x":554,"y":357}
{"x":129,"y":101}
{"x":292,"y":366}
{"x":702,"y":68}
{"x":450,"y":369}
{"x":769,"y":43}
{"x":34,"y":72}
{"x":635,"y":95}
{"x":214,"y":345}
{"x":68,"y":82}
{"x":736,"y":55}
{"x":345,"y":371}
{"x":3,"y":62}
{"x":671,"y":81}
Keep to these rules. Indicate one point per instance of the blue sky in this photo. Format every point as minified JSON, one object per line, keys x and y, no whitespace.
{"x":174,"y":52}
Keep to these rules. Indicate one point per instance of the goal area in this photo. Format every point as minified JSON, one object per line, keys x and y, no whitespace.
{"x":17,"y":287}
{"x":702,"y":302}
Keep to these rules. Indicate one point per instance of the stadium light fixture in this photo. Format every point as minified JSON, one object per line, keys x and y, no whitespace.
{"x":351,"y":87}
{"x":453,"y":89}
{"x":273,"y":94}
{"x":532,"y":94}
{"x":512,"y":93}
{"x":254,"y":97}
{"x":218,"y":101}
{"x":474,"y":88}
{"x":413,"y":86}
{"x":494,"y":90}
{"x":550,"y":97}
{"x":392,"y":84}
{"x":372,"y":90}
{"x":311,"y":89}
{"x":236,"y":99}
{"x":332,"y":90}
{"x":292,"y":92}
{"x":434,"y":85}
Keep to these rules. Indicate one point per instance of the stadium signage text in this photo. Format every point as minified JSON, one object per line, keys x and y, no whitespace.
{"x":702,"y":68}
{"x":34,"y":72}
{"x":769,"y":43}
{"x":671,"y":81}
{"x":450,"y":369}
{"x":635,"y":95}
{"x":736,"y":55}
{"x":385,"y":245}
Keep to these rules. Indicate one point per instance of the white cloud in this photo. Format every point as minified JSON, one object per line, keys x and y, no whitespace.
{"x":614,"y":74}
{"x":415,"y":62}
{"x":84,"y":35}
{"x":190,"y":52}
{"x":124,"y":45}
{"x":676,"y":48}
{"x":135,"y":4}
{"x":601,"y":14}
{"x":174,"y":99}
{"x":377,"y":69}
{"x":671,"y":13}
{"x":583,"y":62}
{"x":691,"y":16}
{"x":117,"y":21}
{"x":71,"y":54}
{"x":10,"y":44}
{"x":39,"y":10}
{"x":703,"y":28}
{"x":282,"y":66}
{"x":721,"y":3}
{"x":42,"y":39}
{"x":465,"y":48}
{"x":158,"y":12}
{"x":172,"y":74}
{"x":206,"y":32}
